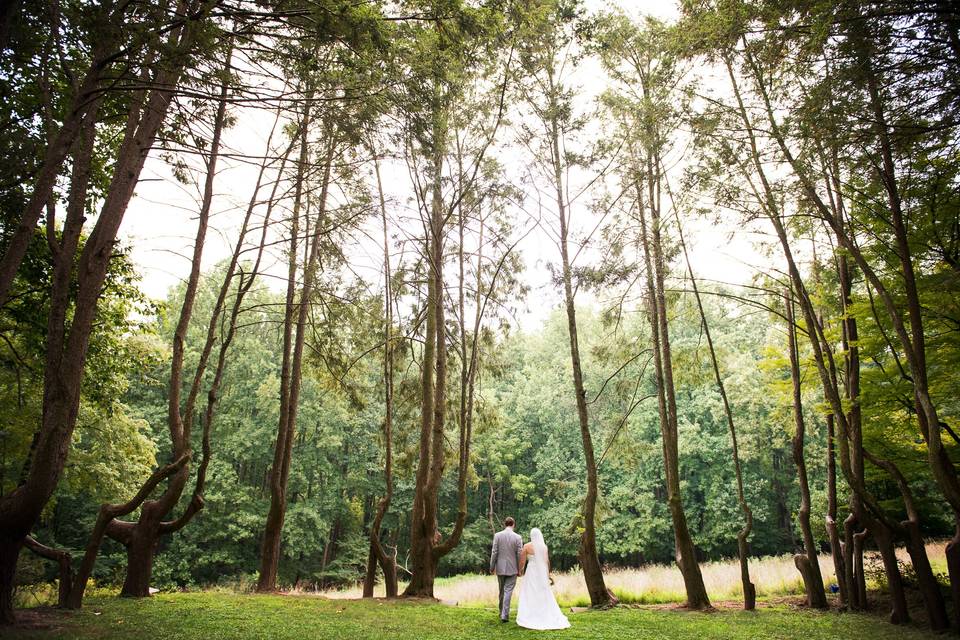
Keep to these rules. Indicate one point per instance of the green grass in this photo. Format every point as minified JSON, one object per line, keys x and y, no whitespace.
{"x":213,"y":616}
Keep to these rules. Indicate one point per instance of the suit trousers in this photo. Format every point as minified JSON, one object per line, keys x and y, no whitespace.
{"x":507,"y":583}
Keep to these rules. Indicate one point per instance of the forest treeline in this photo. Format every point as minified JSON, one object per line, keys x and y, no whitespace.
{"x":294,"y":416}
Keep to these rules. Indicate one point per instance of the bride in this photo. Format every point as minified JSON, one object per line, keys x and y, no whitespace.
{"x":538,"y":608}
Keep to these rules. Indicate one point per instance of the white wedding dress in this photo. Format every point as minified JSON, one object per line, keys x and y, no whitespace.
{"x":538,"y":607}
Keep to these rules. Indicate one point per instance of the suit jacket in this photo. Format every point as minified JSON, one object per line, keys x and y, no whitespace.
{"x":505,"y":555}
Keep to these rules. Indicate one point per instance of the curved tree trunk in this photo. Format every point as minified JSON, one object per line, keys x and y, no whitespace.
{"x":293,"y":342}
{"x":424,"y":533}
{"x":666,"y":400}
{"x":600,"y":596}
{"x":377,"y":553}
{"x":68,"y":338}
{"x":836,"y":548}
{"x":926,"y":580}
{"x":807,"y":563}
{"x":743,"y":546}
{"x":106,"y":518}
{"x":143,"y":536}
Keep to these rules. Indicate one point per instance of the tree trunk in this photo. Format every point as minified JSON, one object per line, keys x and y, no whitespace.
{"x":377,"y":553}
{"x":836,"y":549}
{"x":807,"y":563}
{"x":144,"y":535}
{"x":926,"y":580}
{"x":865,"y":507}
{"x":423,"y":523}
{"x":141,"y":547}
{"x":107,"y":518}
{"x":66,"y":348}
{"x":292,"y":361}
{"x":743,"y":547}
{"x":852,"y":565}
{"x":666,"y":402}
{"x":600,"y":596}
{"x":859,"y":580}
{"x":898,"y":599}
{"x":9,"y":553}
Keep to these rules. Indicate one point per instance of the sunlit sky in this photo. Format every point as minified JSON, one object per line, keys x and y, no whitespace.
{"x":161,"y":222}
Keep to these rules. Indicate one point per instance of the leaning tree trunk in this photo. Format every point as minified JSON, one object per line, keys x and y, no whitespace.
{"x":807,"y":563}
{"x":68,"y":335}
{"x":293,"y":344}
{"x":377,"y":554}
{"x":836,"y":550}
{"x":600,"y":596}
{"x":686,"y":556}
{"x":743,"y":546}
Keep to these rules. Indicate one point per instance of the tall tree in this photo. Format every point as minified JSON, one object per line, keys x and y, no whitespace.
{"x":447,"y":56}
{"x":644,"y":106}
{"x":546,"y":53}
{"x":74,"y":303}
{"x":378,"y":554}
{"x":308,"y":233}
{"x":808,"y":563}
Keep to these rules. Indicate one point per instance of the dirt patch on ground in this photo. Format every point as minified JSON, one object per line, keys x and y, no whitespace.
{"x":40,"y":619}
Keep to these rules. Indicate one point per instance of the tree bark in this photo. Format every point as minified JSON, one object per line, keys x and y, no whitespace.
{"x":424,"y":534}
{"x":743,"y":546}
{"x":292,"y":365}
{"x":898,"y":600}
{"x":836,"y":549}
{"x":807,"y":563}
{"x":377,"y":553}
{"x":143,"y":536}
{"x":107,"y":518}
{"x":926,"y":580}
{"x":67,"y":343}
{"x":685,"y":553}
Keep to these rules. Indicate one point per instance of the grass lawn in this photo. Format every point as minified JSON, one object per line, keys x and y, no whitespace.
{"x":213,"y":615}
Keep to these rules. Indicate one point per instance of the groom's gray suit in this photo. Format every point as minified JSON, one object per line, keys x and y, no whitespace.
{"x":505,"y":561}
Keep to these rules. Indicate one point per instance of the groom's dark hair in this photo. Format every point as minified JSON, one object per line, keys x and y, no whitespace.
{"x":508,"y":522}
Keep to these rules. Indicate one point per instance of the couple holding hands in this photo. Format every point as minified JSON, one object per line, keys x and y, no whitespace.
{"x":509,"y":558}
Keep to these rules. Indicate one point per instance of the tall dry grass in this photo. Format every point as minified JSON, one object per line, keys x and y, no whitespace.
{"x":653,"y":584}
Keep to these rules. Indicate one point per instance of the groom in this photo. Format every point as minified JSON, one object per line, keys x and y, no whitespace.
{"x":505,"y":563}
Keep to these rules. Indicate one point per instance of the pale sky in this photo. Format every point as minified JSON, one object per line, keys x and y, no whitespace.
{"x":161,"y":222}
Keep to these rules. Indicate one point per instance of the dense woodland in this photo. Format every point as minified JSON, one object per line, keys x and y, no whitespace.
{"x":349,"y":396}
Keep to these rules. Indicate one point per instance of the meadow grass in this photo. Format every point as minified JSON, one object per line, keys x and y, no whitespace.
{"x":654,"y":584}
{"x":229,"y":616}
